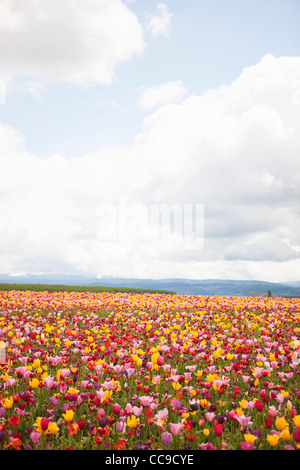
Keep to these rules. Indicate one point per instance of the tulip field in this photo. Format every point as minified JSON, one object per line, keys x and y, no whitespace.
{"x":127,"y":371}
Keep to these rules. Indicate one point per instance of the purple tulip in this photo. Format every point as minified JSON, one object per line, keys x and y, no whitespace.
{"x":166,"y":438}
{"x":119,"y":427}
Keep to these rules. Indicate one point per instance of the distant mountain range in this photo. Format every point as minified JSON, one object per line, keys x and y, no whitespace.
{"x":180,"y":286}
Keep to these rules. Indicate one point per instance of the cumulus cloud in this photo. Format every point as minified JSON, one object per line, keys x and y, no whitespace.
{"x":233,"y":150}
{"x":67,"y":41}
{"x":165,"y":93}
{"x":160,"y":24}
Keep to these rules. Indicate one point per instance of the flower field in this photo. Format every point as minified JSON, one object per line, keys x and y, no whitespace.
{"x":126,"y":371}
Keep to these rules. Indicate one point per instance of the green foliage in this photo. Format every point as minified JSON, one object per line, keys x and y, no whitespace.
{"x":65,"y":288}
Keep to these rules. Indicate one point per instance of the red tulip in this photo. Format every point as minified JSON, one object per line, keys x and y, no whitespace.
{"x":258,"y":405}
{"x":14,"y":421}
{"x":296,"y":435}
{"x":218,"y":429}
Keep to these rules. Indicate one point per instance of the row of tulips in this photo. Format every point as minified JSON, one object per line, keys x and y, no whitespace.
{"x":128,"y":371}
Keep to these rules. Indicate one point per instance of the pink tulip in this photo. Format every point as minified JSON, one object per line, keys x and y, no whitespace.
{"x":258,"y":373}
{"x":272,"y":411}
{"x":210,"y":416}
{"x":250,"y":405}
{"x":160,"y":360}
{"x":10,"y":382}
{"x":137,"y":411}
{"x":49,"y":382}
{"x":245,"y":378}
{"x":162,"y":414}
{"x":244,"y":420}
{"x":176,"y":428}
{"x":145,"y":400}
{"x":101,"y":413}
{"x":35,"y":437}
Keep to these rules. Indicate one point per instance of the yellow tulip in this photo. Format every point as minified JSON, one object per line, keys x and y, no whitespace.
{"x":68,"y":415}
{"x":204,"y":403}
{"x":249,"y":438}
{"x":154,"y":357}
{"x":176,"y":385}
{"x":296,"y":420}
{"x":285,"y":434}
{"x":7,"y":402}
{"x":107,"y":395}
{"x":34,"y":383}
{"x":243,"y":403}
{"x":53,"y":428}
{"x":36,"y":363}
{"x":273,"y":439}
{"x":131,"y":421}
{"x":5,"y":376}
{"x":218,"y":353}
{"x":281,"y":423}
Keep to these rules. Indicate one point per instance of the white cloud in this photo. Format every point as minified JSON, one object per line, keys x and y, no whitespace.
{"x":233,"y":149}
{"x":165,"y":93}
{"x":63,"y":40}
{"x":160,"y":24}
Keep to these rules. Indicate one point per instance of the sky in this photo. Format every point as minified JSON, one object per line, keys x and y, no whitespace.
{"x":150,"y":139}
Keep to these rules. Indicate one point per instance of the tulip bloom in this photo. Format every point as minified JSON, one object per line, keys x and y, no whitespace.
{"x":34,"y":383}
{"x":218,"y":429}
{"x":209,"y":416}
{"x":14,"y":421}
{"x":35,"y":437}
{"x":176,"y":428}
{"x":7,"y":402}
{"x":272,"y":411}
{"x":296,"y":420}
{"x":273,"y":439}
{"x":285,"y":435}
{"x":68,"y":415}
{"x":244,"y":420}
{"x":49,"y":381}
{"x":258,"y":405}
{"x":249,"y":437}
{"x":268,"y":422}
{"x":131,"y":421}
{"x":246,"y":445}
{"x":42,"y":425}
{"x":296,"y":435}
{"x":116,"y":409}
{"x":160,"y":360}
{"x":53,"y":428}
{"x":15,"y":443}
{"x":120,"y":427}
{"x":281,"y":423}
{"x":73,"y":428}
{"x":166,"y":438}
